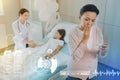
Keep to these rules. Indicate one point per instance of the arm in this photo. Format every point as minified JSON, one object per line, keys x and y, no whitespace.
{"x":54,"y":52}
{"x":73,"y":41}
{"x":103,"y":48}
{"x":40,"y":44}
{"x":76,"y":47}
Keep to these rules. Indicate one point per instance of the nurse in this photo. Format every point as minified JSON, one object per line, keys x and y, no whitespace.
{"x":21,"y":28}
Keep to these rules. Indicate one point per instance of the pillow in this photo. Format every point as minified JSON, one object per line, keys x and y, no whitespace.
{"x":62,"y":25}
{"x":65,"y":49}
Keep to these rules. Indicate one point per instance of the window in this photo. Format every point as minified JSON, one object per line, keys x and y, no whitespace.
{"x":1,"y":8}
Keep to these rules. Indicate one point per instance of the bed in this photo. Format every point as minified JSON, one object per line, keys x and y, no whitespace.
{"x":45,"y":74}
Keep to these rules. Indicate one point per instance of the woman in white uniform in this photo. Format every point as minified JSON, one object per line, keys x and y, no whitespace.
{"x":21,"y":28}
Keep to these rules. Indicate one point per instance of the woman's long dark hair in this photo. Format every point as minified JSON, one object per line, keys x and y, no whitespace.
{"x":62,"y":33}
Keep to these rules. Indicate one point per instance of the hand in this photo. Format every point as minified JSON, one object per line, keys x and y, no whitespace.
{"x":103,"y":48}
{"x":40,"y":44}
{"x":86,"y":32}
{"x":32,"y":44}
{"x":48,"y":56}
{"x":86,"y":35}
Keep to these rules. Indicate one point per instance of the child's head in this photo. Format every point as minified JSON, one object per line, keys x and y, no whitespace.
{"x":60,"y":34}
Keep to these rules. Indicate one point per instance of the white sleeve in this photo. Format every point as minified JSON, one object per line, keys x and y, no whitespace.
{"x":61,"y":42}
{"x":30,"y":36}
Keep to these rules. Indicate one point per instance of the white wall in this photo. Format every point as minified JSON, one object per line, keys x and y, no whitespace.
{"x":69,"y":9}
{"x":3,"y":37}
{"x":11,"y":8}
{"x":111,"y":33}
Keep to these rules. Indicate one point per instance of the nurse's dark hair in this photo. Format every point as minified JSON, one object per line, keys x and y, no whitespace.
{"x":89,"y":7}
{"x":22,"y":11}
{"x":62,"y":33}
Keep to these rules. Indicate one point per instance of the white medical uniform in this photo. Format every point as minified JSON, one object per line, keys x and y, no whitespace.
{"x":21,"y":32}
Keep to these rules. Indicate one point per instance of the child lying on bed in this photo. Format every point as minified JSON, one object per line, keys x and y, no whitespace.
{"x":54,"y":45}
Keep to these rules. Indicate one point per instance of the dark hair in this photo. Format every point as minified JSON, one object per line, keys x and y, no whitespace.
{"x":89,"y":7}
{"x":22,"y":11}
{"x":62,"y":33}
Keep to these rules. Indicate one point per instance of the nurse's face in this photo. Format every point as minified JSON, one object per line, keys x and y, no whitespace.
{"x":88,"y":19}
{"x":24,"y":16}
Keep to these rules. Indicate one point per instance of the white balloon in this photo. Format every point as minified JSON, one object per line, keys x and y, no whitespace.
{"x":45,"y":8}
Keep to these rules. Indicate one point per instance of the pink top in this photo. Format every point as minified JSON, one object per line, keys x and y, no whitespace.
{"x":82,"y":59}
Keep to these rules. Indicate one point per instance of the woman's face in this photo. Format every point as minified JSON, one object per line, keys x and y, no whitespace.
{"x":88,"y":19}
{"x":24,"y":16}
{"x":57,"y":35}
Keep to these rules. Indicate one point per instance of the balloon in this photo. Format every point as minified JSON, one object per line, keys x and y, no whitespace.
{"x":45,"y":8}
